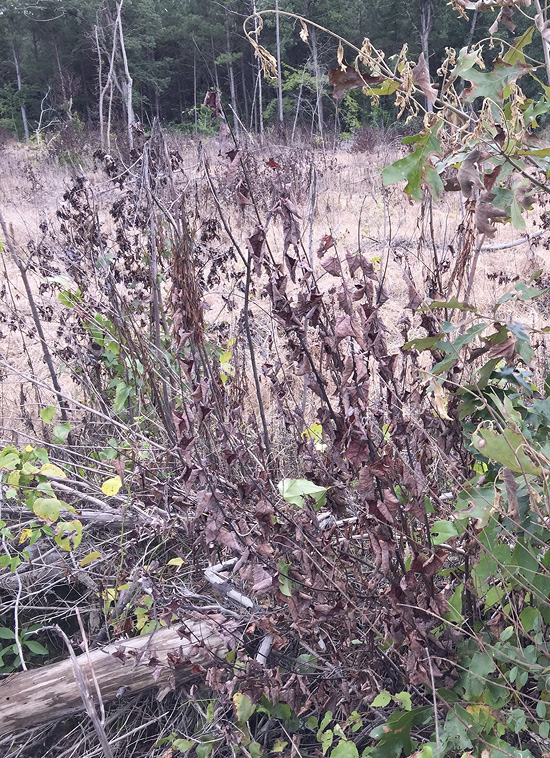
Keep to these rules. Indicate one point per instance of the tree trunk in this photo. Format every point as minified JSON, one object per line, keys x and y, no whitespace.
{"x":195,"y":103}
{"x":260,"y":98}
{"x":426,"y":23}
{"x":279,"y":76}
{"x":232,"y":85}
{"x":51,"y":692}
{"x":127,"y":83}
{"x":318,"y":83}
{"x":19,"y":88}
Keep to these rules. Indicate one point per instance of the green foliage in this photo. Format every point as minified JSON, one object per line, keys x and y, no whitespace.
{"x":33,"y":651}
{"x":27,"y":472}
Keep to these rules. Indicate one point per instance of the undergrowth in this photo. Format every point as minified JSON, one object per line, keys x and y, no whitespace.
{"x":365,"y":528}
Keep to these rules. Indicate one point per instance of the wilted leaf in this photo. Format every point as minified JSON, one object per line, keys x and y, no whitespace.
{"x":415,"y":299}
{"x":421,"y":77}
{"x":486,"y":213}
{"x":213,"y":102}
{"x":347,"y":77}
{"x":505,"y":350}
{"x":441,"y":401}
{"x":512,"y":487}
{"x":468,"y":173}
{"x":347,"y":326}
{"x":332,"y":265}
{"x":505,"y":17}
{"x":326,"y":243}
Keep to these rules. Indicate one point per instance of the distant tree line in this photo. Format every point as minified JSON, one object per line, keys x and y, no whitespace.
{"x":104,"y":64}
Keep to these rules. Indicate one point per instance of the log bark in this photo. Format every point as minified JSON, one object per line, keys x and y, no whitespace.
{"x":163,"y":659}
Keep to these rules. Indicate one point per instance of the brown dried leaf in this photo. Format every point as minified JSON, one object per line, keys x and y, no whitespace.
{"x":332,"y":265}
{"x":366,"y":485}
{"x":326,"y":243}
{"x":415,"y":299}
{"x":486,"y":213}
{"x":358,"y":261}
{"x":511,"y":492}
{"x":505,"y":17}
{"x":468,"y":174}
{"x":213,"y":101}
{"x":347,"y":326}
{"x":505,"y":350}
{"x":256,"y":245}
{"x":347,"y":77}
{"x":421,"y":77}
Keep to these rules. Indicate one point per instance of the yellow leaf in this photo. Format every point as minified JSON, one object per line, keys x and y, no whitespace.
{"x":29,"y":449}
{"x":94,"y":555}
{"x":111,"y":486}
{"x":13,"y":477}
{"x":50,"y":469}
{"x":175,"y":562}
{"x":25,"y":535}
{"x":441,"y":401}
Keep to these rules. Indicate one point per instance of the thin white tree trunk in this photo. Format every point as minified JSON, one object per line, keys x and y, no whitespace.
{"x":127,"y":84}
{"x":101,"y":88}
{"x":232,"y":85}
{"x":107,"y":87}
{"x":19,"y":88}
{"x":260,"y":97}
{"x":195,"y":105}
{"x":318,"y":83}
{"x":279,"y":75}
{"x":298,"y":104}
{"x":426,"y":23}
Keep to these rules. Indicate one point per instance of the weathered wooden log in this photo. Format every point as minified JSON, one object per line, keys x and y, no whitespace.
{"x":163,"y":659}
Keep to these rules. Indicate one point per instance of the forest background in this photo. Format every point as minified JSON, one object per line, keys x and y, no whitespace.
{"x":178,"y":49}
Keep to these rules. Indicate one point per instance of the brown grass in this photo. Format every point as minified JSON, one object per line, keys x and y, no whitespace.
{"x":349,"y":203}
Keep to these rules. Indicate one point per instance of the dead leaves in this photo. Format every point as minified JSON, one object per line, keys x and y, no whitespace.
{"x":486,"y":213}
{"x":347,"y":77}
{"x":468,"y":173}
{"x":421,"y":77}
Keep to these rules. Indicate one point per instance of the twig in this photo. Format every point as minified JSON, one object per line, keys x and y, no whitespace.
{"x":84,"y":691}
{"x":514,"y":243}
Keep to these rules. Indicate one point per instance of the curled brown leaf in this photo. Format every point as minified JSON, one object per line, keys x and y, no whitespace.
{"x":421,"y":77}
{"x":347,"y":77}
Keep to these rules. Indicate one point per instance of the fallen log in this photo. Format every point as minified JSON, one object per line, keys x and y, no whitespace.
{"x":163,"y":659}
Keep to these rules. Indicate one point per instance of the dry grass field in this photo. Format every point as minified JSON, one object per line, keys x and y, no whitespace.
{"x":335,"y":192}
